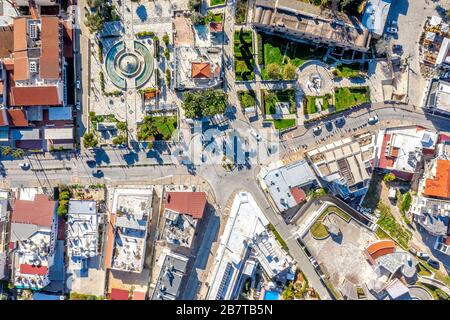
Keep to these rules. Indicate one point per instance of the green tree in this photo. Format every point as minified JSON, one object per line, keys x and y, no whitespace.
{"x":119,"y":140}
{"x":122,"y":126}
{"x":406,"y":202}
{"x":288,"y":293}
{"x":197,"y":18}
{"x":63,"y":208}
{"x":165,"y":39}
{"x":205,"y":103}
{"x":89,"y":140}
{"x":166,"y":54}
{"x":94,"y":22}
{"x":6,"y":151}
{"x":194,"y":5}
{"x":389,"y":177}
{"x":274,"y":71}
{"x":17,"y":153}
{"x":289,"y":72}
{"x":209,"y":17}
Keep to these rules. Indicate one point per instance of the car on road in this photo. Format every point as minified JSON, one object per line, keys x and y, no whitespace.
{"x":433,"y":263}
{"x":97,"y":173}
{"x":373,"y":120}
{"x":255,"y":134}
{"x":78,"y":84}
{"x":202,"y":157}
{"x":340,"y":121}
{"x":91,"y":163}
{"x":24,"y":165}
{"x":392,"y":30}
{"x":78,"y":105}
{"x":317,"y":129}
{"x":423,"y":255}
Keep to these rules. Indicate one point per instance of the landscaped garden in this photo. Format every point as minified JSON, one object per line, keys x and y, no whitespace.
{"x":216,"y":2}
{"x":349,"y":97}
{"x":272,"y":98}
{"x":198,"y":104}
{"x":243,"y":55}
{"x":246,"y":98}
{"x":318,"y":229}
{"x":241,"y":11}
{"x":157,"y":128}
{"x":310,"y":105}
{"x":282,"y":57}
{"x":388,"y":223}
{"x":351,"y":70}
{"x":281,"y":124}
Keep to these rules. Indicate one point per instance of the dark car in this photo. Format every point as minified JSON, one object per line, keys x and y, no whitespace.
{"x":91,"y":163}
{"x":434,"y":263}
{"x":97,"y":173}
{"x":397,"y":49}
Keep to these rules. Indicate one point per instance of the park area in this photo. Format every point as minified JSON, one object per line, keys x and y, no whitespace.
{"x":349,"y":97}
{"x":283,"y":53}
{"x":276,"y":100}
{"x":247,"y":98}
{"x":311,"y":105}
{"x":157,"y":128}
{"x":243,"y":55}
{"x":351,"y":70}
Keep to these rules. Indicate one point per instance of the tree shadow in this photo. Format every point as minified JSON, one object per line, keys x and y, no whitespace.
{"x":101,"y":156}
{"x":141,"y":12}
{"x":131,"y":158}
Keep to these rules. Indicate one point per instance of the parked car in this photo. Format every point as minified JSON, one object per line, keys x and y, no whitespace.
{"x":397,"y":49}
{"x":317,"y":129}
{"x":91,"y":163}
{"x":392,"y":30}
{"x":423,"y":255}
{"x":78,"y":105}
{"x":97,"y":173}
{"x":340,"y":120}
{"x":434,"y":263}
{"x":24,"y":165}
{"x":255,"y":134}
{"x":373,"y":120}
{"x":78,"y":84}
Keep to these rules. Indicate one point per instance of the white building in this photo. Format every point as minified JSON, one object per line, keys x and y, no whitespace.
{"x":132,"y":209}
{"x":375,"y":16}
{"x":244,"y":242}
{"x":82,"y":232}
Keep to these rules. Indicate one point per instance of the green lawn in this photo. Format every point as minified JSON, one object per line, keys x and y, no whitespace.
{"x":387,"y":222}
{"x":318,"y":230}
{"x":281,"y":51}
{"x":310,"y":105}
{"x":349,"y":70}
{"x":281,"y":124}
{"x":246,"y":98}
{"x":216,"y":2}
{"x":271,"y":98}
{"x":339,"y":212}
{"x":166,"y":128}
{"x":243,"y":55}
{"x":349,"y":97}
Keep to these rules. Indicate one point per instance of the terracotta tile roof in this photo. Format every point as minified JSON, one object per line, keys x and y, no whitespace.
{"x":17,"y":118}
{"x":118,"y":294}
{"x":30,"y":269}
{"x":191,"y":203}
{"x":39,"y":212}
{"x":138,"y":295}
{"x":9,"y":64}
{"x":298,"y":194}
{"x":439,"y":186}
{"x":3,"y":118}
{"x":35,"y":96}
{"x":50,"y":48}
{"x":201,"y":70}
{"x":20,"y":34}
{"x":6,"y":41}
{"x":380,"y":248}
{"x":394,"y":152}
{"x":1,"y":87}
{"x":21,"y":69}
{"x":215,"y":27}
{"x":385,"y":162}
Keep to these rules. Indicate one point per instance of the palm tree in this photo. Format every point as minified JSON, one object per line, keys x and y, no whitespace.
{"x":6,"y":151}
{"x":17,"y":153}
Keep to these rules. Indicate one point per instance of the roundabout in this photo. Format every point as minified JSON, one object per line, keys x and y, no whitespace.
{"x":129,"y":65}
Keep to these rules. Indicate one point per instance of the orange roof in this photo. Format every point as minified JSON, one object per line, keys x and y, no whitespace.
{"x":439,"y":186}
{"x":380,"y":248}
{"x":119,"y":294}
{"x":30,"y":269}
{"x":17,"y":118}
{"x":191,"y":203}
{"x":21,"y":65}
{"x":50,"y":48}
{"x":138,"y":295}
{"x":1,"y":87}
{"x":394,"y":152}
{"x":201,"y":70}
{"x":39,"y":212}
{"x":3,"y":118}
{"x":20,"y":34}
{"x":35,"y":96}
{"x":9,"y":64}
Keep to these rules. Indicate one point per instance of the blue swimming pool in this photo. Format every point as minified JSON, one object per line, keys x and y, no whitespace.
{"x":271,"y":295}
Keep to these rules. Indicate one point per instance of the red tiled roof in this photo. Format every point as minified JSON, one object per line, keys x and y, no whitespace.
{"x":380,"y":248}
{"x":138,"y":295}
{"x":298,"y":194}
{"x":39,"y":212}
{"x":191,"y":203}
{"x":30,"y":269}
{"x":20,"y":34}
{"x":384,"y":162}
{"x":439,"y":186}
{"x":3,"y":118}
{"x":118,"y":294}
{"x":201,"y":70}
{"x":35,"y":96}
{"x":110,"y":241}
{"x":215,"y":27}
{"x":17,"y":118}
{"x":50,"y":48}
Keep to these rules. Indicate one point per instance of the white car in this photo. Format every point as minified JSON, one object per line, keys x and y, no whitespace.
{"x":373,"y":119}
{"x":255,"y":134}
{"x":78,"y":84}
{"x":78,"y":105}
{"x":423,"y":255}
{"x":24,"y":165}
{"x":317,"y":129}
{"x":392,"y":30}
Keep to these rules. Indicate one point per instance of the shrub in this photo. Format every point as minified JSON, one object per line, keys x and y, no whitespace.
{"x":122,"y":126}
{"x":142,"y":34}
{"x":389,"y":177}
{"x":168,"y":77}
{"x":165,"y":39}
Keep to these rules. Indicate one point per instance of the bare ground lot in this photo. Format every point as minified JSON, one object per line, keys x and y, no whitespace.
{"x":343,"y":258}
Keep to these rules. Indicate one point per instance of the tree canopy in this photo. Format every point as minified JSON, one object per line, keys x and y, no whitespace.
{"x":198,"y":104}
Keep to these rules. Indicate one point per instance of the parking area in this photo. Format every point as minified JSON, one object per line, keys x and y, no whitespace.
{"x":343,"y":258}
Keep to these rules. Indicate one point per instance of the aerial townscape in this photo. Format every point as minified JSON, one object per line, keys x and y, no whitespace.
{"x":225,"y":150}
